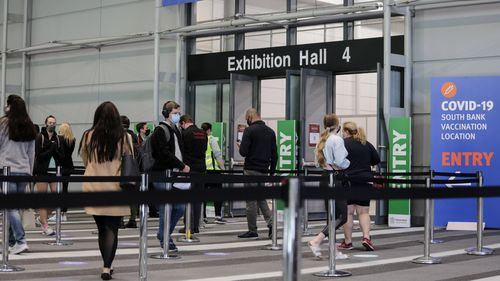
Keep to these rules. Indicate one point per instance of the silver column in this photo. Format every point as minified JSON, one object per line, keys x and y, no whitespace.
{"x":156,"y":85}
{"x":291,"y":235}
{"x":58,"y":241}
{"x":143,"y":232}
{"x":427,"y":259}
{"x":166,"y":226}
{"x":479,"y":250}
{"x":332,"y":272}
{"x":5,"y":266}
{"x":188,"y":237}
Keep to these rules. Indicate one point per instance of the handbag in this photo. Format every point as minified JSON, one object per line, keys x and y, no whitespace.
{"x":129,"y":168}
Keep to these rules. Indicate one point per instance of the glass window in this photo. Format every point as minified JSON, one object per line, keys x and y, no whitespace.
{"x":309,"y":4}
{"x":311,"y":34}
{"x":208,"y":45}
{"x":208,"y":10}
{"x":264,"y":6}
{"x":255,"y":40}
{"x":374,"y":28}
{"x":206,"y":103}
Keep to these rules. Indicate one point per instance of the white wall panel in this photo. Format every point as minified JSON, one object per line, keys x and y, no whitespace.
{"x":46,"y":8}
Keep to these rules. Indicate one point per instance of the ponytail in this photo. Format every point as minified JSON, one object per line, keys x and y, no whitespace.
{"x":330,"y":122}
{"x":356,"y":132}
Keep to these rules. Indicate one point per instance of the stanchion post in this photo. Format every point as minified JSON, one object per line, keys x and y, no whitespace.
{"x":427,"y":259}
{"x":5,"y":266}
{"x":143,"y":232}
{"x":479,"y":250}
{"x":433,"y":241}
{"x":305,"y":218}
{"x":292,"y":233}
{"x":188,"y":237}
{"x":58,"y":241}
{"x":165,"y":255}
{"x":274,"y":238}
{"x":332,"y":271}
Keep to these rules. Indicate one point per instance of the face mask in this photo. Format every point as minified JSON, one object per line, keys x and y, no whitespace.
{"x":148,"y":131}
{"x":176,"y":118}
{"x":51,"y":128}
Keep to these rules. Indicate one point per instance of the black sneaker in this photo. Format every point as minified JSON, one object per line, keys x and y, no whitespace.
{"x":131,"y":224}
{"x":249,"y":235}
{"x":270,"y":233}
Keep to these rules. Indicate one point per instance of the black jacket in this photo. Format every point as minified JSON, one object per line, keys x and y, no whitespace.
{"x":362,"y":157}
{"x":46,"y":148}
{"x":67,"y":158}
{"x":163,"y":151}
{"x":195,"y":145}
{"x":258,"y":146}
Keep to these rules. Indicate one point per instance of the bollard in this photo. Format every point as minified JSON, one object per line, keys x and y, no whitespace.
{"x":165,"y":255}
{"x":427,"y":259}
{"x":274,"y":244}
{"x":433,"y":241}
{"x":5,"y":266}
{"x":305,"y":218}
{"x":143,"y":232}
{"x":332,"y":271}
{"x":291,"y":235}
{"x":58,"y":241}
{"x":479,"y":250}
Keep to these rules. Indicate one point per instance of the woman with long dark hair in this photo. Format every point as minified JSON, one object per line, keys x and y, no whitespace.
{"x":331,"y":156}
{"x":101,"y":149}
{"x":17,"y":147}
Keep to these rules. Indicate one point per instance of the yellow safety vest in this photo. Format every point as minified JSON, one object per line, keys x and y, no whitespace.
{"x":209,"y":157}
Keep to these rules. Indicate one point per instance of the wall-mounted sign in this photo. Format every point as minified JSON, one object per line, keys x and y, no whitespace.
{"x":341,"y":56}
{"x":314,"y":134}
{"x":239,"y":134}
{"x":464,"y":139}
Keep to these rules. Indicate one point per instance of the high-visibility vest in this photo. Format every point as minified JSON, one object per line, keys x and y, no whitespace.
{"x":209,"y":157}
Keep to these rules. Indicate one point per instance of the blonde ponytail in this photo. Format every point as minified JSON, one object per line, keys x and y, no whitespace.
{"x":330,"y":122}
{"x":356,"y":132}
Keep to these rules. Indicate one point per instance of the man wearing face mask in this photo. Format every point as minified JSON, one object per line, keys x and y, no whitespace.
{"x":168,"y":152}
{"x":258,"y":146}
{"x":142,"y":132}
{"x":48,"y":154}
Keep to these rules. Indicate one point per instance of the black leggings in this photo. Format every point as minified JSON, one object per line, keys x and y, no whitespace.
{"x":108,"y":237}
{"x":340,"y":206}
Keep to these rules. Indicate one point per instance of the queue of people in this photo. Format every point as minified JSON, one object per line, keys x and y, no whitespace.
{"x":179,"y":145}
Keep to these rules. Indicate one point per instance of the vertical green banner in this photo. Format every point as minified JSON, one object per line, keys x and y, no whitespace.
{"x":399,"y":162}
{"x":287,"y":152}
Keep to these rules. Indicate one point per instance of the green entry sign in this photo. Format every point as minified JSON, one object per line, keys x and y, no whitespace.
{"x":399,"y":162}
{"x":287,"y":152}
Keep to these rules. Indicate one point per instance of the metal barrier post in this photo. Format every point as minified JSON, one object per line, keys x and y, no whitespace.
{"x":165,"y":255}
{"x":5,"y":266}
{"x":305,"y":218}
{"x":427,"y":259}
{"x":479,"y":250}
{"x":188,"y":237}
{"x":143,"y":232}
{"x":274,"y":244}
{"x":332,"y":272}
{"x":433,"y":241}
{"x":291,"y":235}
{"x":58,"y":241}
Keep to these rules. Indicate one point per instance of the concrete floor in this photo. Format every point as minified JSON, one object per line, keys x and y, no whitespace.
{"x":222,"y":256}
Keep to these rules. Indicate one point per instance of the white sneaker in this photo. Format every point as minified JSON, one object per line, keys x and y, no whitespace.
{"x":48,"y":231}
{"x":341,"y":256}
{"x":53,"y":218}
{"x":18,"y":248}
{"x":37,"y":222}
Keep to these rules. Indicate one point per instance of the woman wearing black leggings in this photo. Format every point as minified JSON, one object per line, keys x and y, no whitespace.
{"x":101,"y":149}
{"x":331,"y":156}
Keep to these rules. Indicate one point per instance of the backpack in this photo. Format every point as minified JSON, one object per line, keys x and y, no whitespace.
{"x":145,"y":153}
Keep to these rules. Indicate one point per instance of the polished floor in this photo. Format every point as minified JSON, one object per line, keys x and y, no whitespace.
{"x":221,"y":256}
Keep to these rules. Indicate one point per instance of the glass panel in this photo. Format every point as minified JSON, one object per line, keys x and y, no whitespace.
{"x":226,"y":91}
{"x":264,"y":6}
{"x":209,"y":9}
{"x":255,"y":40}
{"x":208,"y":45}
{"x":273,"y":100}
{"x":374,"y":28}
{"x":205,"y":104}
{"x":311,"y":34}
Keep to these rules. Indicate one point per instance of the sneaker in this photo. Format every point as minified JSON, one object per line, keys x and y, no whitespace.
{"x":219,"y":220}
{"x":48,"y":231}
{"x":131,"y":224}
{"x":172,"y":248}
{"x":341,"y":256}
{"x":249,"y":235}
{"x":344,"y":246}
{"x":53,"y":218}
{"x":18,"y":248}
{"x":367,"y":243}
{"x":37,"y":222}
{"x":270,"y":232}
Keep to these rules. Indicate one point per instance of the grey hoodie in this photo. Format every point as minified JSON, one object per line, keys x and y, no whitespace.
{"x":19,"y":156}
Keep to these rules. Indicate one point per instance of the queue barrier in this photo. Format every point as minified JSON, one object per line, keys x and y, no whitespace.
{"x":290,"y":191}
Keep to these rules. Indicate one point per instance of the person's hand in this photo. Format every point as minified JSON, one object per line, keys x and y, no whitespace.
{"x":186,"y":169}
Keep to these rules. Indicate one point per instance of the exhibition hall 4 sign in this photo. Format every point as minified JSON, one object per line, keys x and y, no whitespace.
{"x":464,"y":139}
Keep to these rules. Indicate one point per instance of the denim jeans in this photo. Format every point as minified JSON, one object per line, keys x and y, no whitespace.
{"x":16,"y":229}
{"x":177,"y":211}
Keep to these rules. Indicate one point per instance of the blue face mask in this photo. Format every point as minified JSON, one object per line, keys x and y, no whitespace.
{"x":176,"y":118}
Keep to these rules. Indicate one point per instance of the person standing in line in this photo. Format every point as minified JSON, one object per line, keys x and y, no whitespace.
{"x":17,"y":147}
{"x":101,"y":149}
{"x":258,"y":146}
{"x":68,"y":143}
{"x":167,"y":147}
{"x":214,"y":162}
{"x":362,"y":156}
{"x":134,"y":209}
{"x":331,"y":155}
{"x":142,"y":132}
{"x":48,"y":155}
{"x":195,"y":145}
